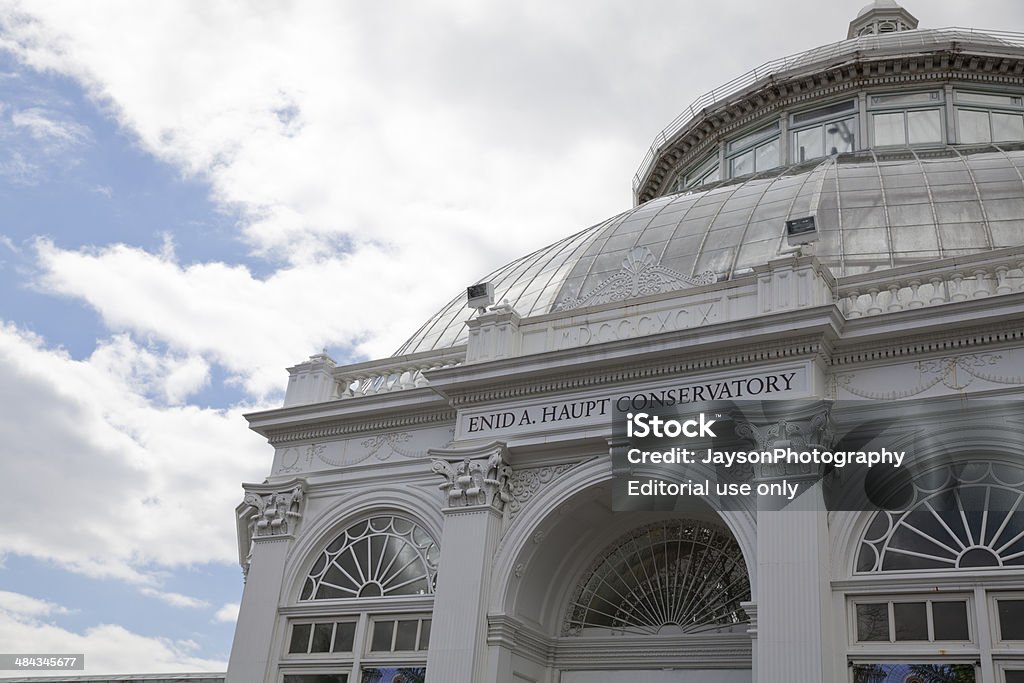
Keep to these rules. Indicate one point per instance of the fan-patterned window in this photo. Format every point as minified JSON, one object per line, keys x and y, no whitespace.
{"x":676,"y":576}
{"x":381,"y":556}
{"x":964,"y":516}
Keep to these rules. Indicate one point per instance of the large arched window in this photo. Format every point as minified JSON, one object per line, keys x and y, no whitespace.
{"x":962,"y":516}
{"x":676,"y":576}
{"x":378,"y":557}
{"x":386,"y":567}
{"x":954,"y":519}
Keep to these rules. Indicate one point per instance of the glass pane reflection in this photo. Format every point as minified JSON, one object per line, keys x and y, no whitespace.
{"x":901,"y":673}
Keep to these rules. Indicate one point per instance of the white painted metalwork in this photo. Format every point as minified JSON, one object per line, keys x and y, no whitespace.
{"x":378,"y":557}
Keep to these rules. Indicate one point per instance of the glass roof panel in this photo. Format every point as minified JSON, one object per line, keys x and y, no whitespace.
{"x":873,"y":212}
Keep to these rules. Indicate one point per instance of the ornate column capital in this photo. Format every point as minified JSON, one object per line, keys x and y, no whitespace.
{"x":800,"y":432}
{"x":474,"y":478}
{"x":267,"y":512}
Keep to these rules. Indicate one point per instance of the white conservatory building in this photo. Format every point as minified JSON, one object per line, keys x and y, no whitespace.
{"x":446,"y":514}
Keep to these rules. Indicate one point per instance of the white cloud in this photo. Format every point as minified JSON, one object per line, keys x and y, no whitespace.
{"x":253,"y":327}
{"x":47,"y":128}
{"x":26,"y":606}
{"x":107,"y":648}
{"x":174,"y":599}
{"x":110,"y":482}
{"x":6,"y":241}
{"x":228,"y":613}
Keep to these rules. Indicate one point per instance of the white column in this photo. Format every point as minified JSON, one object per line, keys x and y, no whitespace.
{"x":794,"y":641}
{"x":475,"y":491}
{"x":267,"y":522}
{"x":251,"y":649}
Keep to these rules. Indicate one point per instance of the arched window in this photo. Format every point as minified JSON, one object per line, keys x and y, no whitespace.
{"x":378,"y":557}
{"x":964,"y":516}
{"x":676,"y":576}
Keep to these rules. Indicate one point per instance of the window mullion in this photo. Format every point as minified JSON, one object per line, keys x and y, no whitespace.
{"x":930,"y":621}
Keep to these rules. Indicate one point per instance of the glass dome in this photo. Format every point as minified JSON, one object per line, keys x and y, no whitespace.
{"x":874,"y":211}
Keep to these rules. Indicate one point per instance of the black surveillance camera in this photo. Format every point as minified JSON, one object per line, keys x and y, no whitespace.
{"x":801,"y":230}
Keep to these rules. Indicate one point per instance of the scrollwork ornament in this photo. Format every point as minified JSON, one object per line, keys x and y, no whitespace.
{"x":470,"y":483}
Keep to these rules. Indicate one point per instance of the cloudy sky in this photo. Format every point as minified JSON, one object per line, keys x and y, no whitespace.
{"x":195,"y":195}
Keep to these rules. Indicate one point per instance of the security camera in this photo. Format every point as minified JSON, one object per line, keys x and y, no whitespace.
{"x":801,"y":231}
{"x":480,"y":296}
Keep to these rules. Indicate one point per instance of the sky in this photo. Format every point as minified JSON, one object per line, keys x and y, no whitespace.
{"x":196,"y":195}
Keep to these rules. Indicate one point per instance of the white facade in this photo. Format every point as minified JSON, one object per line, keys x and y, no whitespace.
{"x":449,"y":508}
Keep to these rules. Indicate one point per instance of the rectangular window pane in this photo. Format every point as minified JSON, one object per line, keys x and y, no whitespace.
{"x":949,"y":619}
{"x":973,"y":126}
{"x":873,"y":673}
{"x":1007,"y":127}
{"x":382,"y":632}
{"x":808,"y":144}
{"x":823,"y":111}
{"x":321,"y":638}
{"x":344,"y":636}
{"x":711,"y":177}
{"x":924,"y":126}
{"x":911,"y":620}
{"x":742,"y":165}
{"x":750,"y":138}
{"x":706,"y":174}
{"x":839,"y":136}
{"x":888,"y":129}
{"x":986,"y":98}
{"x":767,"y":155}
{"x":424,"y":635}
{"x":394,"y":674}
{"x":300,"y":638}
{"x":873,"y":622}
{"x":1015,"y":676}
{"x":1011,"y":619}
{"x":906,"y":98}
{"x":316,"y":678}
{"x":405,"y":639}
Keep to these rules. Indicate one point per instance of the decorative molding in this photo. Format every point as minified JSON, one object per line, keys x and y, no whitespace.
{"x":274,"y":513}
{"x":814,"y":431}
{"x":385,"y":445}
{"x":278,"y":437}
{"x":934,"y":342}
{"x":480,"y":482}
{"x":525,"y":483}
{"x":268,"y":512}
{"x":954,"y":372}
{"x":640,"y":275}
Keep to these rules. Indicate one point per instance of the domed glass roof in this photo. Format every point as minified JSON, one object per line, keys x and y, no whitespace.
{"x":873,"y":212}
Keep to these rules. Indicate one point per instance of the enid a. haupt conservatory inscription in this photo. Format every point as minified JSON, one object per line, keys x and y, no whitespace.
{"x":600,"y":408}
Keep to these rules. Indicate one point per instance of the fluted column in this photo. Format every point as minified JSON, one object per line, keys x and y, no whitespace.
{"x":475,"y":490}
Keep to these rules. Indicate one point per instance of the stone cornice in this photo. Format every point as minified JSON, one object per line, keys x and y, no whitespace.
{"x":352,"y":410}
{"x":341,"y":427}
{"x":956,"y":63}
{"x":921,"y":332}
{"x":791,"y":335}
